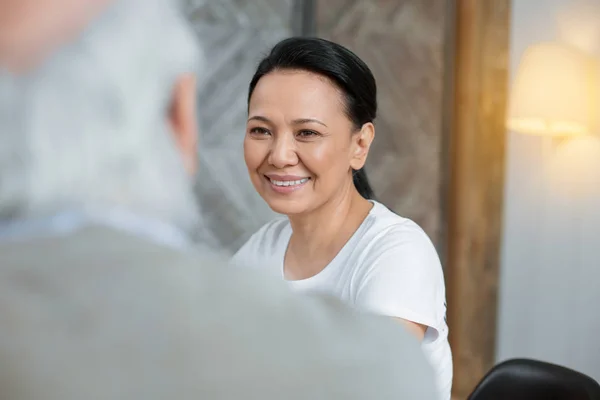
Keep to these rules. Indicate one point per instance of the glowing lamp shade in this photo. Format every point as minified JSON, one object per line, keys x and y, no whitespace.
{"x":554,"y":92}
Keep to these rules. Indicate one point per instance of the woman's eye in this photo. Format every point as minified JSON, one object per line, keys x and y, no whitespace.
{"x":259,"y":131}
{"x":307,"y":134}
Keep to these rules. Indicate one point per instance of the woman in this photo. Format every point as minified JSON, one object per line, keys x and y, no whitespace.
{"x":311,"y":108}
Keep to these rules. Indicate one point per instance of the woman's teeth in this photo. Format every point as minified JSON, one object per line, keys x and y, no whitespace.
{"x":288,"y":183}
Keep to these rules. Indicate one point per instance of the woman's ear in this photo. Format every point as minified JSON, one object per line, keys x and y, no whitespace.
{"x":182,"y":118}
{"x":361,"y":143}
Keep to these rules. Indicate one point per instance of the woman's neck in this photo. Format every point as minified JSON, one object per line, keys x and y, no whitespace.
{"x":318,"y":237}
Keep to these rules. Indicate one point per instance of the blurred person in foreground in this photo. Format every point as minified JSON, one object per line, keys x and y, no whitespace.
{"x":101,"y":294}
{"x":29,"y":29}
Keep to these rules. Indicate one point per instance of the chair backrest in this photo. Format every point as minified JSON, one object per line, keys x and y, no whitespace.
{"x":520,"y":379}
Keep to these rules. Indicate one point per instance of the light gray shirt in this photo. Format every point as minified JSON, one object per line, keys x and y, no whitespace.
{"x":92,"y":311}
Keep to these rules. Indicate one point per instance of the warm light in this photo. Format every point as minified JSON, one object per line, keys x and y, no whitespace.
{"x":573,"y":169}
{"x":554,"y":92}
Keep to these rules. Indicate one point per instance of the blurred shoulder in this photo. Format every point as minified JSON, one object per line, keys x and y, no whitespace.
{"x":234,"y":322}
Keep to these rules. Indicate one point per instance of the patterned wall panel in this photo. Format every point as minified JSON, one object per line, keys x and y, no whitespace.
{"x":403,"y":43}
{"x":234,"y":35}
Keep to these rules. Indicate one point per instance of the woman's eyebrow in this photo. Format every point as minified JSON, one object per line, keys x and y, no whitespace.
{"x":298,"y":121}
{"x":307,"y":120}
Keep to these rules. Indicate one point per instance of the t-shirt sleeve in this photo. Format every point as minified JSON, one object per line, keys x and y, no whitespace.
{"x":403,"y":278}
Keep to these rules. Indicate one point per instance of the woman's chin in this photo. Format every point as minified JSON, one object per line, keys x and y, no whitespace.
{"x":287,"y":207}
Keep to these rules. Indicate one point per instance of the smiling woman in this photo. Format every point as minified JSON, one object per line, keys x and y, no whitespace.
{"x":311,"y":110}
{"x":295,"y":142}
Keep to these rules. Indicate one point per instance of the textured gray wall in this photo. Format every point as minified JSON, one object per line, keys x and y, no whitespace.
{"x":235,"y":35}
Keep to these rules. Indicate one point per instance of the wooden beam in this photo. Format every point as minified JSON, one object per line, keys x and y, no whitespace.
{"x":475,"y":194}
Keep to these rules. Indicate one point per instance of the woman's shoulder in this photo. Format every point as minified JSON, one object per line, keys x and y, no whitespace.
{"x":393,"y":243}
{"x":265,"y":242}
{"x":386,"y":225}
{"x":398,"y":271}
{"x":272,"y":230}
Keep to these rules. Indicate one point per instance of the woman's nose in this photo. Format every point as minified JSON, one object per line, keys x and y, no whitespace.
{"x":283,"y":152}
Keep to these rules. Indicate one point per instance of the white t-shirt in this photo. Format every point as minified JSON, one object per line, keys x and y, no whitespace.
{"x":388,"y":267}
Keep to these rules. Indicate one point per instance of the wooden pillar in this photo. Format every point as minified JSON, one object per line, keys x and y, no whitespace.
{"x":476,"y":185}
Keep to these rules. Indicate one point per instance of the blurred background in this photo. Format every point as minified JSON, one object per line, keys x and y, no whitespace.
{"x":550,"y":259}
{"x":514,"y":213}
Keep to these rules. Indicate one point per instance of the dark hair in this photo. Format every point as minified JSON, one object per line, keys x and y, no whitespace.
{"x":342,"y":67}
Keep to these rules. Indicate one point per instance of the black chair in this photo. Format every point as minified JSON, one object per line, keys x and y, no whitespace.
{"x":523,"y":379}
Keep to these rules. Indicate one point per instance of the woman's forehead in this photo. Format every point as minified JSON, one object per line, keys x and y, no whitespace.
{"x":297,"y":92}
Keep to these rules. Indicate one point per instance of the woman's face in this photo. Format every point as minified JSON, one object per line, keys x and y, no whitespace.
{"x":300,"y":146}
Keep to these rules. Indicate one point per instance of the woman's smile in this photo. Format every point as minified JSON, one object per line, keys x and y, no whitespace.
{"x":286,"y":184}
